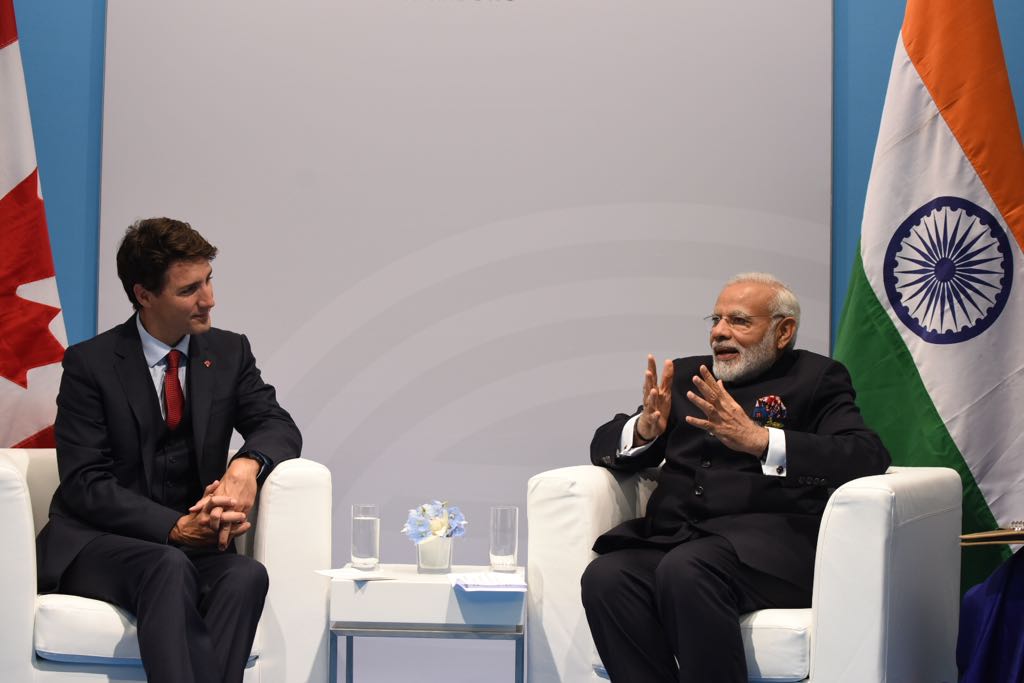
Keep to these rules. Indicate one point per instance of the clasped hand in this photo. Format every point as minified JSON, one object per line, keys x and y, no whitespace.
{"x":208,"y":519}
{"x":221,"y":513}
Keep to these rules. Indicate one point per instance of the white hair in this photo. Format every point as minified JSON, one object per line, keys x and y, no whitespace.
{"x":784,"y":302}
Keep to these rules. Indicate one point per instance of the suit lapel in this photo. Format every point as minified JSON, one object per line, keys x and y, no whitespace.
{"x":137,"y":383}
{"x":200,"y":383}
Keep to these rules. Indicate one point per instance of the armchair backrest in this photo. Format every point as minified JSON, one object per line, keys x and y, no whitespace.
{"x":39,"y":468}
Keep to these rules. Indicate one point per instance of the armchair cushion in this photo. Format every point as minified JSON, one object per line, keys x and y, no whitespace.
{"x":776,"y":642}
{"x":69,"y":628}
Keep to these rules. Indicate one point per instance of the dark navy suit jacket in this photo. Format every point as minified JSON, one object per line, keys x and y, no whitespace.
{"x":771,"y":522}
{"x":106,"y":438}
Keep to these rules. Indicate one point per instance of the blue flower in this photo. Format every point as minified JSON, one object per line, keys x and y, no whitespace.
{"x":435,"y":518}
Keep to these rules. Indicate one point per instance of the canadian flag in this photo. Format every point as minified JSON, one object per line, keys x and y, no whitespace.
{"x":32,"y":338}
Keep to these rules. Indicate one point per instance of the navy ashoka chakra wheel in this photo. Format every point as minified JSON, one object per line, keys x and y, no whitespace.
{"x":948,"y":270}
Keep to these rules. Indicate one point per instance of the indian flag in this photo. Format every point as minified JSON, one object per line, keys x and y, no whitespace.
{"x":933,"y":327}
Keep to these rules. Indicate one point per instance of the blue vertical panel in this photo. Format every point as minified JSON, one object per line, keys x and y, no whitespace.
{"x":864,"y":38}
{"x":62,"y":50}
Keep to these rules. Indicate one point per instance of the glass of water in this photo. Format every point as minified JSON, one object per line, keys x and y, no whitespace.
{"x":504,"y":538}
{"x":365,"y":536}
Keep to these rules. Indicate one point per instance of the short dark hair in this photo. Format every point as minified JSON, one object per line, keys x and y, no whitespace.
{"x":150,"y":246}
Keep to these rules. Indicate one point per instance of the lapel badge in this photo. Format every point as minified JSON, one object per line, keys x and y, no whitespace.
{"x":207,"y":363}
{"x":769,"y":411}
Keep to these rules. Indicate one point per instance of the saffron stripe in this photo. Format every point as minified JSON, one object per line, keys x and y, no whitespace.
{"x":955,"y":47}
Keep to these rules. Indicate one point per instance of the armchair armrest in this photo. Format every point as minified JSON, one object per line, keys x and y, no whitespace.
{"x":887,"y":579}
{"x":18,"y":589}
{"x":293,"y":540}
{"x":566,"y":510}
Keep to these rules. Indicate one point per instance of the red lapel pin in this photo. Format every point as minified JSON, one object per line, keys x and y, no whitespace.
{"x":207,"y":363}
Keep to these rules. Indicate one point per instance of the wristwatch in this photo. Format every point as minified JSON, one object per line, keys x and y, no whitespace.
{"x":263,"y":460}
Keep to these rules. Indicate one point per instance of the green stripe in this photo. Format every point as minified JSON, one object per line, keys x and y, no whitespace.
{"x":896,"y":404}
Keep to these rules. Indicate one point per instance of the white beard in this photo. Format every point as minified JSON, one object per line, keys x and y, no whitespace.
{"x":752,"y":360}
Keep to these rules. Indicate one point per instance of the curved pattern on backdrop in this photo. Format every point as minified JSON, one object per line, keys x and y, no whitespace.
{"x":453,"y":231}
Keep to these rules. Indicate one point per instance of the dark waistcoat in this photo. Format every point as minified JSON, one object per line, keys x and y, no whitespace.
{"x":174,"y":477}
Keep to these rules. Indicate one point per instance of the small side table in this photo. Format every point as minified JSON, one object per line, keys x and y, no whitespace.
{"x":414,"y":605}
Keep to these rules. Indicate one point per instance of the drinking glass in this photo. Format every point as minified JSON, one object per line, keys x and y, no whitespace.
{"x":504,"y":538}
{"x":365,"y":536}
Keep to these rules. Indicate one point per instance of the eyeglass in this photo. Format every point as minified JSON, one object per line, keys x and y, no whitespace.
{"x":737,"y":321}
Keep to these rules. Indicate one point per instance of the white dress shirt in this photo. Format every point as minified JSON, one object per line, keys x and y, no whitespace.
{"x":774,"y":464}
{"x":156,"y":352}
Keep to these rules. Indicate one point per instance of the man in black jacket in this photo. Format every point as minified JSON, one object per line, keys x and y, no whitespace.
{"x":751,"y":440}
{"x":148,"y":506}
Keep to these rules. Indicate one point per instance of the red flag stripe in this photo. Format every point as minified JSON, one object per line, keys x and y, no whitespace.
{"x":8,"y":28}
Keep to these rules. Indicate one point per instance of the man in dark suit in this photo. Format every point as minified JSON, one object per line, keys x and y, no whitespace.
{"x":148,"y":507}
{"x":751,"y":441}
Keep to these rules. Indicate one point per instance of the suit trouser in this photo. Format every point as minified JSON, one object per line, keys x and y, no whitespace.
{"x":196,"y":609}
{"x":649,"y":609}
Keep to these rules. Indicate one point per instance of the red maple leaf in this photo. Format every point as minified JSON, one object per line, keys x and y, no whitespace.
{"x":44,"y":438}
{"x":25,"y":338}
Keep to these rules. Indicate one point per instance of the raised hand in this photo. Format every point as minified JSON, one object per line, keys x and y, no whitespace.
{"x":726,"y":419}
{"x":653,"y":418}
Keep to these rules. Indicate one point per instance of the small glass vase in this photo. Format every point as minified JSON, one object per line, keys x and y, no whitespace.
{"x":434,"y":555}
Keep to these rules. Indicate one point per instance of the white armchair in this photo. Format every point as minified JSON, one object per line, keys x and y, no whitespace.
{"x":90,"y":640}
{"x":886,"y":580}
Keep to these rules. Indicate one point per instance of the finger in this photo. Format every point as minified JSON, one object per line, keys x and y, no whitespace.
{"x":701,"y":404}
{"x":649,"y":384}
{"x":706,"y":390}
{"x":667,"y":375}
{"x":231,"y":517}
{"x":725,"y":397}
{"x":651,"y":374}
{"x":223,"y":502}
{"x":651,"y":402}
{"x":722,"y":390}
{"x":698,"y":423}
{"x":224,"y":537}
{"x":239,"y":529}
{"x":649,"y":427}
{"x":215,"y":515}
{"x":209,"y":491}
{"x":712,"y":381}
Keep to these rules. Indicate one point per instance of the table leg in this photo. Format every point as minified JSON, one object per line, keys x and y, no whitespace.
{"x":520,"y":647}
{"x":332,"y":666}
{"x":348,"y":659}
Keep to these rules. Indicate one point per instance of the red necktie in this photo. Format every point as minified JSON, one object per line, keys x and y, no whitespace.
{"x":172,"y":389}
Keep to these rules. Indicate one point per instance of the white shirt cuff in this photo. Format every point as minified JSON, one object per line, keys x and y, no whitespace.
{"x":774,"y":464}
{"x":626,"y":448}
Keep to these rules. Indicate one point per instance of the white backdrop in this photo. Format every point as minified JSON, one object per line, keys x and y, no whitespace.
{"x":453,"y":229}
